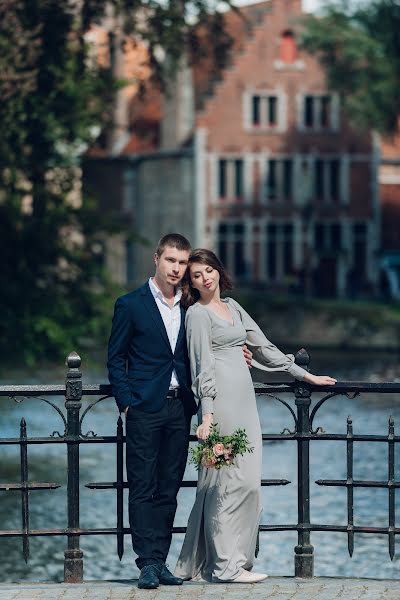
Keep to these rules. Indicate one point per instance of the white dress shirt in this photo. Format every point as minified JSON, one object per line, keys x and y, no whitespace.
{"x":171,"y":316}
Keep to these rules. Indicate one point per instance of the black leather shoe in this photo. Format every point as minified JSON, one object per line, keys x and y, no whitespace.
{"x":148,"y":578}
{"x":166,"y":578}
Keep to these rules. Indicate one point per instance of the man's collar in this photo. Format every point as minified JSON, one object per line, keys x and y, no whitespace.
{"x":155,"y":290}
{"x":157,"y":293}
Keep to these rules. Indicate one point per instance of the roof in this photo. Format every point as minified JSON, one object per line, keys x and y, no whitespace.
{"x":145,"y":111}
{"x":145,"y":99}
{"x":238,"y":26}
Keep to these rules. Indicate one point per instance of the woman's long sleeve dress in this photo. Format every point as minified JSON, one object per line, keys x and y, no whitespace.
{"x":222,"y":530}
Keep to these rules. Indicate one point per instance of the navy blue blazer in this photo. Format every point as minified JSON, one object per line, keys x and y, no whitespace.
{"x":140,"y":358}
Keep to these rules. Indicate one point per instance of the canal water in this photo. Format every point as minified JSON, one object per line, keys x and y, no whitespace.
{"x":370,"y":414}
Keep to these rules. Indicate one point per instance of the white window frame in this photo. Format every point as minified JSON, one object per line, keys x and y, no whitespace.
{"x":304,"y":190}
{"x":230,"y":199}
{"x":334,"y":117}
{"x":327,"y":161}
{"x":264,"y":171}
{"x":231,"y":237}
{"x":264,"y":127}
{"x":280,"y":223}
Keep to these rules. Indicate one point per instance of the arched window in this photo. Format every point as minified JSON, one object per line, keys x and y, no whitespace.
{"x":288,"y":48}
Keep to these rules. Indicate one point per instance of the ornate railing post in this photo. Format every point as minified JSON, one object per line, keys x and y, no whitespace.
{"x":304,"y":551}
{"x":73,"y":556}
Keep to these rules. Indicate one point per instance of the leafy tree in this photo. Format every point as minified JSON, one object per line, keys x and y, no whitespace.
{"x":359,"y":48}
{"x":54,"y":290}
{"x":47,"y":245}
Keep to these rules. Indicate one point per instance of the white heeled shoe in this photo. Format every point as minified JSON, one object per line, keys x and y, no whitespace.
{"x":248,"y":577}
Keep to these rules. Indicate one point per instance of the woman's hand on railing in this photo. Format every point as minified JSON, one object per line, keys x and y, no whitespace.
{"x":319,"y":379}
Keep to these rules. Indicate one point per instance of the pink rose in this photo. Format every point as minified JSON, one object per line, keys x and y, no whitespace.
{"x":219,"y":449}
{"x":208,"y":462}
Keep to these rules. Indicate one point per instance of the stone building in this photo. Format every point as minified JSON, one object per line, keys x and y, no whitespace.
{"x":258,"y":163}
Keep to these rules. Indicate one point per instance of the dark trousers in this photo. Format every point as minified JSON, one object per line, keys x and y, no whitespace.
{"x":156,"y":453}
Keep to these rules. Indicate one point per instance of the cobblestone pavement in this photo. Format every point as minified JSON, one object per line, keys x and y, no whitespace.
{"x":276,"y":588}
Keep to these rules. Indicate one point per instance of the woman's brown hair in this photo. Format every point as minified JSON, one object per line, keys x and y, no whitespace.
{"x":204,"y":257}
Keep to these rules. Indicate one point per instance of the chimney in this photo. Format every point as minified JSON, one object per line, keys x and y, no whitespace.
{"x":178,"y":107}
{"x":118,"y":133}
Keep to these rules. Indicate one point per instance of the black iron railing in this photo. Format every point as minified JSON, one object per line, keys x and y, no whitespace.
{"x":302,"y":431}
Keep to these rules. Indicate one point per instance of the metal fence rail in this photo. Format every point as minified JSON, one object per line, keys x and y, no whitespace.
{"x":300,"y":431}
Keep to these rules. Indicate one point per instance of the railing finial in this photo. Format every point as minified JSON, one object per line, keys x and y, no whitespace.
{"x":73,"y":360}
{"x":302,"y":358}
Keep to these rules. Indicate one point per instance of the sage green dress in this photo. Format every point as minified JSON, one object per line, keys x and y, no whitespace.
{"x":222,"y":529}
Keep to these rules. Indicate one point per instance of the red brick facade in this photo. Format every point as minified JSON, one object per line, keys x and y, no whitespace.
{"x":283,"y":189}
{"x":389,"y":180}
{"x":288,"y":193}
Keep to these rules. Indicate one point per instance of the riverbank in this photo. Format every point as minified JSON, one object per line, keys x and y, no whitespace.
{"x":276,"y":588}
{"x":341,"y":325}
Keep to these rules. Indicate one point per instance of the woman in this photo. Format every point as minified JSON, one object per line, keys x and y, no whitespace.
{"x":222,"y":530}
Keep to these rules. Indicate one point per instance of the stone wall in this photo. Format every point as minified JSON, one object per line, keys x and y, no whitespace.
{"x":164,"y":204}
{"x":148,"y":196}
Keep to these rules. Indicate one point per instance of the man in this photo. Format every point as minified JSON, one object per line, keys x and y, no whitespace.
{"x":149,"y":373}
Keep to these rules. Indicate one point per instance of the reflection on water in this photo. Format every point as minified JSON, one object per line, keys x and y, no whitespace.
{"x":98,"y":508}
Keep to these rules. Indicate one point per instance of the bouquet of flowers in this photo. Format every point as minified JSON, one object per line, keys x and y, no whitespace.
{"x":219,"y":450}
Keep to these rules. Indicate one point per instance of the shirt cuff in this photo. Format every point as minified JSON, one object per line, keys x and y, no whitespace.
{"x":207,"y":405}
{"x":297,"y":372}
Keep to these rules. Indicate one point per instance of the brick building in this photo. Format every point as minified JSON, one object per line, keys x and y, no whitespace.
{"x":280,"y":186}
{"x":389,"y":185}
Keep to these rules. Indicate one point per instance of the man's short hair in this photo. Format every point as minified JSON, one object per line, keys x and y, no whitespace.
{"x":173,"y":240}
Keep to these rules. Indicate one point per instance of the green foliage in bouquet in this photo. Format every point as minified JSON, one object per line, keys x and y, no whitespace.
{"x":219,"y":450}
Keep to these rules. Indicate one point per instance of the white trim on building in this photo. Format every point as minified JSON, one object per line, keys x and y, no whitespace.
{"x":318,"y":112}
{"x":200,"y":174}
{"x":272,"y":110}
